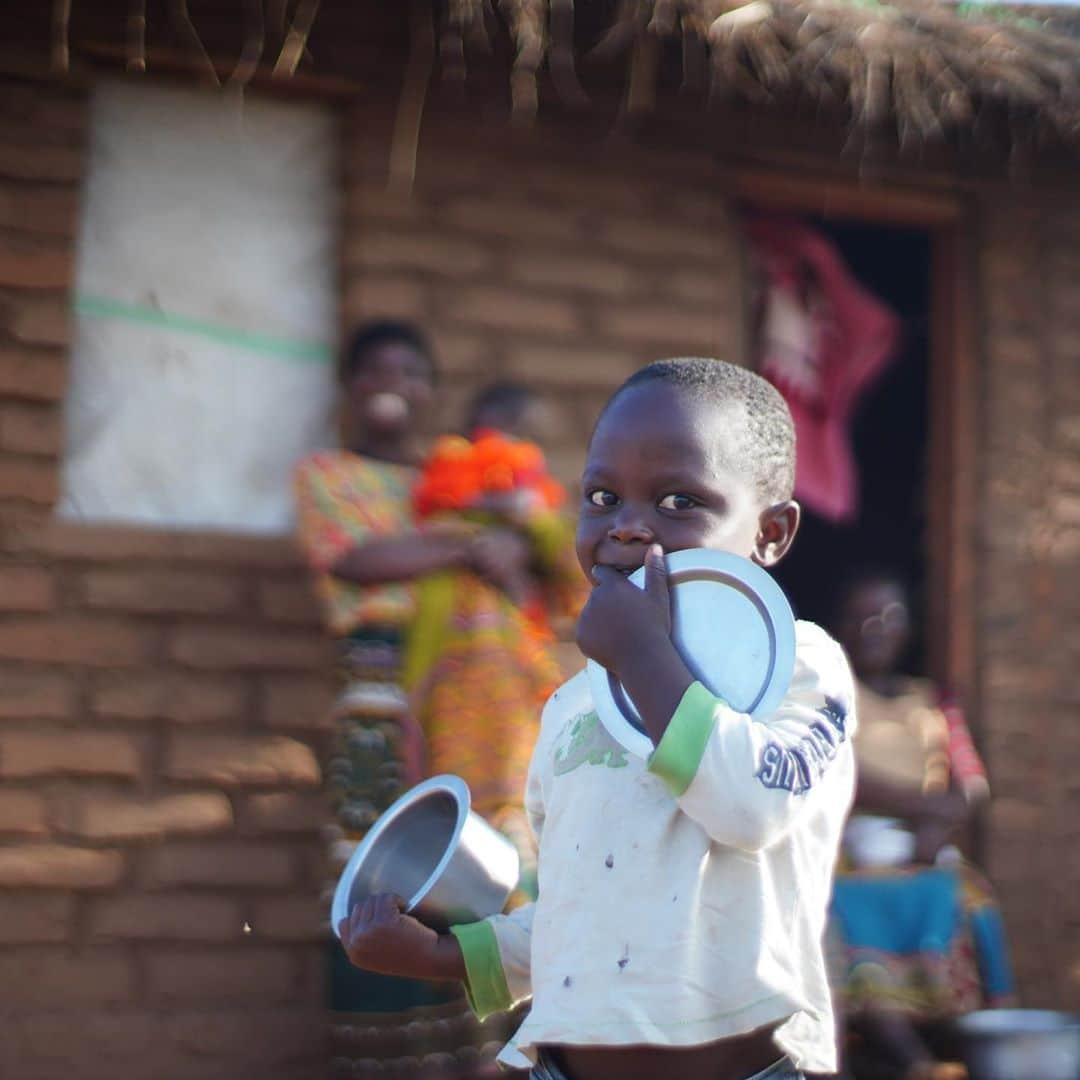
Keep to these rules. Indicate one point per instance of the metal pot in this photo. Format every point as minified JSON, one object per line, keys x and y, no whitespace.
{"x":1020,"y":1044}
{"x":429,"y":847}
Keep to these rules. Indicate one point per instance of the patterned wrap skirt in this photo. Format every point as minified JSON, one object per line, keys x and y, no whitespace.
{"x":380,"y":1025}
{"x":927,"y":943}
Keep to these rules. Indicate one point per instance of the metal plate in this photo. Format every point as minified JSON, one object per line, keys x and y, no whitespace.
{"x":732,"y":626}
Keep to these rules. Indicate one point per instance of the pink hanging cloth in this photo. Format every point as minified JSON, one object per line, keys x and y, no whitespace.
{"x":824,"y":339}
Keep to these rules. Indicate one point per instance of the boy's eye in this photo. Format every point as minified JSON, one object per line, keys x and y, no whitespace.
{"x":600,"y":497}
{"x":678,"y":502}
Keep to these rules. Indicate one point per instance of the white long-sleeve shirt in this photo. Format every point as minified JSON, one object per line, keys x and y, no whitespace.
{"x":682,"y":899}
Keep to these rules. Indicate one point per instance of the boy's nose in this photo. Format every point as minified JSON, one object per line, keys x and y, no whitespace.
{"x":629,"y":528}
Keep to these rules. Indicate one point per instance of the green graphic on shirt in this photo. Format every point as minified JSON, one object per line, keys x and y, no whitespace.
{"x":590,"y":744}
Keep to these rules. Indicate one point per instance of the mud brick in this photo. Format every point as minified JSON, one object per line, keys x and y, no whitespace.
{"x":26,"y":588}
{"x":58,"y":866}
{"x":235,"y":761}
{"x":50,"y":976}
{"x":217,"y":866}
{"x":31,"y":918}
{"x":99,"y":816}
{"x":162,"y":591}
{"x":173,"y":916}
{"x":73,"y":639}
{"x":510,"y":310}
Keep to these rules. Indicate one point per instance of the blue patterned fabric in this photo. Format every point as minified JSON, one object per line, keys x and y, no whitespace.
{"x":904,"y":914}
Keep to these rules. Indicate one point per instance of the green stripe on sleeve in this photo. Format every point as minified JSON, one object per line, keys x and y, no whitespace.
{"x":485,"y":985}
{"x":679,"y":754}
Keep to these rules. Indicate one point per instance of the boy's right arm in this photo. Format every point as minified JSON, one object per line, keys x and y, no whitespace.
{"x":493,"y":957}
{"x":378,"y":936}
{"x":496,"y":953}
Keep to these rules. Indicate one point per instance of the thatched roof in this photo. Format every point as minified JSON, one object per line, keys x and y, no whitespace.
{"x":901,"y":71}
{"x":915,"y":69}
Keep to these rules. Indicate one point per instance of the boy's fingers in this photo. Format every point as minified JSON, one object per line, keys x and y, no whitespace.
{"x":388,"y":906}
{"x":361,"y":914}
{"x":656,"y":582}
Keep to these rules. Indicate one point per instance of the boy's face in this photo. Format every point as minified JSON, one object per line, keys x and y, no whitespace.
{"x":664,"y":469}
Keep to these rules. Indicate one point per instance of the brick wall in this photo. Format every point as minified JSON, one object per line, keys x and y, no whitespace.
{"x":161,"y":701}
{"x":160,"y":707}
{"x":1028,"y":586}
{"x":563,"y":262}
{"x":161,"y":696}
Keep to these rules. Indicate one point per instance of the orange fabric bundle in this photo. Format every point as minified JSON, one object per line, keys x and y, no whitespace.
{"x":460,"y":473}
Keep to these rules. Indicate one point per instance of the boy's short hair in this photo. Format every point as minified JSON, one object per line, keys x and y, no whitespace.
{"x":769,"y":454}
{"x":372,"y":335}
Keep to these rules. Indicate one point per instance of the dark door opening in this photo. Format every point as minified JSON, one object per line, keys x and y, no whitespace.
{"x":889,"y":436}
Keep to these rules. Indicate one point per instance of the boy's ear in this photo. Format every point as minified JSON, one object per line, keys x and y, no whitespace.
{"x":776,"y":531}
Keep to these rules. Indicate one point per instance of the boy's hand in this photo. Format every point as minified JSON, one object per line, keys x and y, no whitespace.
{"x":378,"y":936}
{"x":621,"y":621}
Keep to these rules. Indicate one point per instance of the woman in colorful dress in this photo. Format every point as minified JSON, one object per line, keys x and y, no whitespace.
{"x":918,"y":938}
{"x":370,"y":562}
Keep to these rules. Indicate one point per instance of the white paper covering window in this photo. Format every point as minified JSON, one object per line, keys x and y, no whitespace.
{"x":205,"y":310}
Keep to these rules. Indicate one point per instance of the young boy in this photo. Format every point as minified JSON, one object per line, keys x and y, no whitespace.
{"x":682,"y":899}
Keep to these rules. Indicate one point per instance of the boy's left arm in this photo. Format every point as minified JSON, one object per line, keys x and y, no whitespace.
{"x":744,"y":781}
{"x":748,"y":782}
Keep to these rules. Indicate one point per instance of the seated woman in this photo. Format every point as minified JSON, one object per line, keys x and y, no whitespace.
{"x":917,"y":935}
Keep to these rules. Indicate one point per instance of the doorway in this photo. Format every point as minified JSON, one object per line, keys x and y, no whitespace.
{"x":888,"y":432}
{"x":926,"y":465}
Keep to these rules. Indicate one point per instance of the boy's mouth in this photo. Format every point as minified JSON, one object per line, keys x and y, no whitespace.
{"x":626,"y":571}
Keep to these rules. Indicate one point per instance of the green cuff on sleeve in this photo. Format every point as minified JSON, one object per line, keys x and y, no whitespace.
{"x":677,"y":757}
{"x":485,"y":984}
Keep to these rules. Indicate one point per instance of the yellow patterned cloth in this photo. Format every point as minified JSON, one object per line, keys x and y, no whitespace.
{"x":481,"y":708}
{"x":342,"y":500}
{"x":479,"y":669}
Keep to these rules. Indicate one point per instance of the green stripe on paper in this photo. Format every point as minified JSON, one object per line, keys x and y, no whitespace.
{"x":284,"y":348}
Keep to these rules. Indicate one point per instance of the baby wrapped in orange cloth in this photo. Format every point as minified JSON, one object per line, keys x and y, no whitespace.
{"x":478,"y":660}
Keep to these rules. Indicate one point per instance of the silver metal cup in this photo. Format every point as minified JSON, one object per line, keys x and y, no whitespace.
{"x":431,"y":849}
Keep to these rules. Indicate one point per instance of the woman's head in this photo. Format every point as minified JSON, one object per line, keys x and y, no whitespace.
{"x":873,"y":621}
{"x":388,"y":375}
